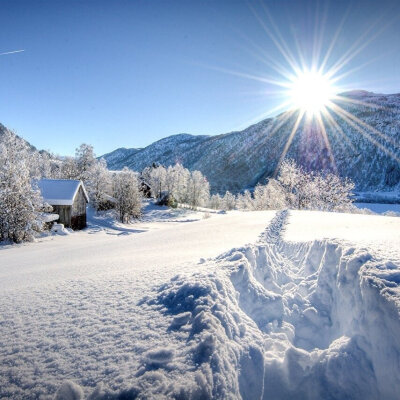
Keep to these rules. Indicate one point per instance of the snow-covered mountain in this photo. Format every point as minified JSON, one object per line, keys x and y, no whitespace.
{"x":3,"y":131}
{"x":364,"y":139}
{"x":117,"y":157}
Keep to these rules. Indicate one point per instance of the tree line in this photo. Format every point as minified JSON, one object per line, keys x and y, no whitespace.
{"x":21,"y":205}
{"x":293,"y":188}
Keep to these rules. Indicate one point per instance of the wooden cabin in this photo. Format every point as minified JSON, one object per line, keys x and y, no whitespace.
{"x":68,"y":199}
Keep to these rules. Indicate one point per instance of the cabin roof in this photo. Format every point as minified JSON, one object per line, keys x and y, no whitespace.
{"x":60,"y":192}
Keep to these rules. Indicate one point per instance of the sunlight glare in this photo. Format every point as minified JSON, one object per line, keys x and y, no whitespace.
{"x":310,"y":92}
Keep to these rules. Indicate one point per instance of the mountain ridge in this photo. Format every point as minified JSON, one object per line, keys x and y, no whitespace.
{"x":240,"y":159}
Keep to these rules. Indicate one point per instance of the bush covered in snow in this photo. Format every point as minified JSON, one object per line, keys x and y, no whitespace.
{"x":314,"y":190}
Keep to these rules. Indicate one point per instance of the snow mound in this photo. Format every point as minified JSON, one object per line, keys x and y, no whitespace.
{"x":278,"y":320}
{"x":59,"y":229}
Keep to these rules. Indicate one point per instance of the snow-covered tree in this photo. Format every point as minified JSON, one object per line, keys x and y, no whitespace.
{"x":69,"y":169}
{"x":198,"y":189}
{"x":85,"y":160}
{"x":245,"y":201}
{"x":215,"y":202}
{"x":331,"y":193}
{"x":316,"y":190}
{"x":20,"y":202}
{"x":39,"y":165}
{"x":156,"y":178}
{"x":228,"y":201}
{"x":294,"y":182}
{"x":296,"y":188}
{"x":127,"y":195}
{"x":98,"y":183}
{"x":184,"y":186}
{"x":261,"y":198}
{"x":177,"y":182}
{"x":275,"y":195}
{"x":171,"y":181}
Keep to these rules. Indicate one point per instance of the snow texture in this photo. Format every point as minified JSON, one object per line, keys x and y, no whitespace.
{"x":275,"y":319}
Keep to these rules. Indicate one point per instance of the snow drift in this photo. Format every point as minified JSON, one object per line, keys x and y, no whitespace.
{"x":277,"y":320}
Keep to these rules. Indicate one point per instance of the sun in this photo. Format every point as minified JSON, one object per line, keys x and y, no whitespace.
{"x":311,"y":91}
{"x":311,"y":87}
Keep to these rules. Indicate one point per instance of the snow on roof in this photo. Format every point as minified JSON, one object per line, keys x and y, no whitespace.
{"x":60,"y":192}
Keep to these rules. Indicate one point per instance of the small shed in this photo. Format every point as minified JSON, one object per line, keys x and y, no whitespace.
{"x":68,"y":199}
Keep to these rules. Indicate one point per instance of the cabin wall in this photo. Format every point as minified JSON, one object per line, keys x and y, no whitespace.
{"x":78,"y":212}
{"x":65,"y":215}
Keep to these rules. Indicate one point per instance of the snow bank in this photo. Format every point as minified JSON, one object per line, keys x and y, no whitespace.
{"x":278,"y":320}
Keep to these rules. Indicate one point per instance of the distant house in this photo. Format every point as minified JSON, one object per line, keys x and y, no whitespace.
{"x":68,"y":199}
{"x":145,"y":188}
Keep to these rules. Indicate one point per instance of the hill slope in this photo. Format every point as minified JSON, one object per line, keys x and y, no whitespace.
{"x":368,"y":155}
{"x":3,"y":131}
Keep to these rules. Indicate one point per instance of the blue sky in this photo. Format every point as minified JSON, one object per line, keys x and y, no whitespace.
{"x":127,"y":73}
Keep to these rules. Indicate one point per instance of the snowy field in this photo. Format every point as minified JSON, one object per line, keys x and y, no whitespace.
{"x":252,"y":305}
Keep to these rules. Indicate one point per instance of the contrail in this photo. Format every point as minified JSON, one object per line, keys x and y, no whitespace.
{"x":11,"y":52}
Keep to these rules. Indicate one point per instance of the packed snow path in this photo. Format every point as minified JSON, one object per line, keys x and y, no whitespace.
{"x":270,"y":320}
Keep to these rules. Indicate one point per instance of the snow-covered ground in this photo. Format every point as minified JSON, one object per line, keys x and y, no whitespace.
{"x":271,"y":305}
{"x":378,"y":234}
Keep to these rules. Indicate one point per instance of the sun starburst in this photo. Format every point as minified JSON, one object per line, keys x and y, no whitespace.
{"x":310,"y":91}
